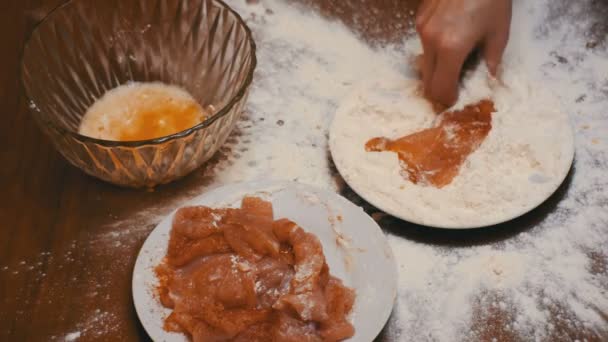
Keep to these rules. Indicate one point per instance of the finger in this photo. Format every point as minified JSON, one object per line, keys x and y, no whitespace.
{"x":496,"y":42}
{"x":422,"y":5}
{"x":448,"y":66}
{"x":428,"y":67}
{"x":493,"y":49}
{"x":427,"y":37}
{"x":425,"y":11}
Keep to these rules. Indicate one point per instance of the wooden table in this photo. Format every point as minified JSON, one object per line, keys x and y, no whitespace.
{"x":58,"y":261}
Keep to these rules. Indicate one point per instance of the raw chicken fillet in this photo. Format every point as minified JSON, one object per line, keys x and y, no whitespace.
{"x":239,"y":275}
{"x":434,"y":156}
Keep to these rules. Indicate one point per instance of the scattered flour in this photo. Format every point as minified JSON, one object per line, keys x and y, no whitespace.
{"x":553,"y":274}
{"x":72,"y":336}
{"x":542,"y":278}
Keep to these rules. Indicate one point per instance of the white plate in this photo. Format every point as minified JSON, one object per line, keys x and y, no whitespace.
{"x":356,"y":250}
{"x":389,"y":106}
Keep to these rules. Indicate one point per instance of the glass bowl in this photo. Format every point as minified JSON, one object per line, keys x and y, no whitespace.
{"x":86,"y":47}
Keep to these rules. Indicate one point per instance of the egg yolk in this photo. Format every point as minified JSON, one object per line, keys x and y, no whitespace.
{"x":142,"y":111}
{"x":160,"y":118}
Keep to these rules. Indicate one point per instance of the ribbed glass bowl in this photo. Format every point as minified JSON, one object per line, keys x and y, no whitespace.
{"x":87,"y":47}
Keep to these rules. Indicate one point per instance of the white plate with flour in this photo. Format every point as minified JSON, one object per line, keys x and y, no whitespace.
{"x":526,"y":156}
{"x":355,"y":248}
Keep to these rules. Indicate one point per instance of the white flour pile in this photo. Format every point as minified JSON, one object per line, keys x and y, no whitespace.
{"x":305,"y":66}
{"x":552,"y":275}
{"x":525,"y":157}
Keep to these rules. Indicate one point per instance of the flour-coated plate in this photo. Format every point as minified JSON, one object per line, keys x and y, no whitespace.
{"x":530,"y":148}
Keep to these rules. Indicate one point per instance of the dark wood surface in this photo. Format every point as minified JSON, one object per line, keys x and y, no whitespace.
{"x":57,"y":272}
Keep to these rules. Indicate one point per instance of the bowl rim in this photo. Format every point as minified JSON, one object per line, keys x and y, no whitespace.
{"x":155,"y":141}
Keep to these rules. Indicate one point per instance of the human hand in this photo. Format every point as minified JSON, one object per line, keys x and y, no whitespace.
{"x":450,"y":30}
